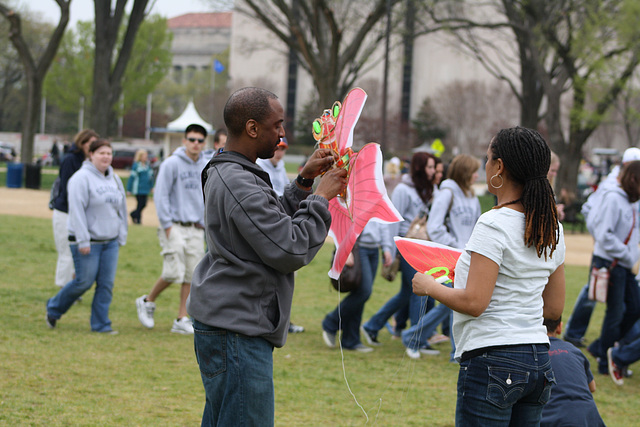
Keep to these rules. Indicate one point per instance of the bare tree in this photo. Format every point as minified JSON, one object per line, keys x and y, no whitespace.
{"x":35,"y":70}
{"x":107,"y":70}
{"x":334,"y":40}
{"x":589,"y":49}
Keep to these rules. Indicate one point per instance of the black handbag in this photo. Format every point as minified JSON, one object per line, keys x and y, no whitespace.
{"x":351,"y":276}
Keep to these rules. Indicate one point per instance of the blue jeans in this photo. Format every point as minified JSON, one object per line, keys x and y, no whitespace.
{"x":396,"y":302}
{"x":505,"y":386}
{"x":416,"y":337}
{"x":626,"y":354}
{"x":237,"y":374}
{"x":98,"y":266}
{"x":413,"y":311}
{"x":348,"y":315}
{"x":580,"y":316}
{"x":623,"y":309}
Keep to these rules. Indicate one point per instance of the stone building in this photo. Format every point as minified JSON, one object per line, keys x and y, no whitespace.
{"x":196,"y":38}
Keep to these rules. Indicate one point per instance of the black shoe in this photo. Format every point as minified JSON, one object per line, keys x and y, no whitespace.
{"x":578,"y":342}
{"x":51,"y":322}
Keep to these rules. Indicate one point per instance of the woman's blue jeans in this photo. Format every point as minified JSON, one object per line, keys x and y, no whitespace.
{"x":396,"y":302}
{"x":505,"y":387}
{"x":237,"y":374}
{"x":97,"y":266}
{"x":348,"y":314}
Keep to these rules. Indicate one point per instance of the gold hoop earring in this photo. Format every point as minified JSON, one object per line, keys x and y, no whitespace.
{"x":501,"y":181}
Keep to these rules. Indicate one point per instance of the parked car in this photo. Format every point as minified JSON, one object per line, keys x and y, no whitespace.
{"x":123,"y":159}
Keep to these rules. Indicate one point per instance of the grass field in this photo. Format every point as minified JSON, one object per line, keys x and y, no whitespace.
{"x":70,"y":376}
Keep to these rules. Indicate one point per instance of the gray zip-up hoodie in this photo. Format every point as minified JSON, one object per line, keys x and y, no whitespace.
{"x":256,"y":241}
{"x":455,"y":229}
{"x":97,"y":206}
{"x":611,"y":222}
{"x":178,"y":193}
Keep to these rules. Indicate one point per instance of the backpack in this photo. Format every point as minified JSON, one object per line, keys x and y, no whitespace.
{"x":55,"y":192}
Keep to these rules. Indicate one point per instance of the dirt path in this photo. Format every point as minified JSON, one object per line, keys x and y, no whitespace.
{"x":34,"y":203}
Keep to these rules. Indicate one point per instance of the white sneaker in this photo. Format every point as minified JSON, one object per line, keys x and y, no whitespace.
{"x":430,"y":351}
{"x":145,"y":311}
{"x":329,"y":339}
{"x":413,"y":354}
{"x":182,"y":326}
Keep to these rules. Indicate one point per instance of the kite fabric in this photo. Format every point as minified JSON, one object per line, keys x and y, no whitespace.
{"x":429,"y":257}
{"x":365,"y":197}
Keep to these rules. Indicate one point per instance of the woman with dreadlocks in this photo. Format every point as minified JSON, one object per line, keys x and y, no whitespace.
{"x":510,"y":275}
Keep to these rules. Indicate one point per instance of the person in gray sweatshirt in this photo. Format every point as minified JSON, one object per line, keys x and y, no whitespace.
{"x":180,"y":208}
{"x":615,"y":232}
{"x":242,"y":290}
{"x":97,"y":227}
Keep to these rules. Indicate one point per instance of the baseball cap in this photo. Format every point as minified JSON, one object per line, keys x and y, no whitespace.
{"x":284,"y":144}
{"x":631,"y":154}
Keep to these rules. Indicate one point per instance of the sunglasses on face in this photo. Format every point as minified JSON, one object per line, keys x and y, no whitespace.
{"x":200,"y":140}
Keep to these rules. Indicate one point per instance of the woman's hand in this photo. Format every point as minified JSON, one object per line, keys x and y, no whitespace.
{"x":387,"y":258}
{"x":85,"y":251}
{"x":423,"y":284}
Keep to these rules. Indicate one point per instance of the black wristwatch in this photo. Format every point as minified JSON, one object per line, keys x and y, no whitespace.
{"x":304,"y":182}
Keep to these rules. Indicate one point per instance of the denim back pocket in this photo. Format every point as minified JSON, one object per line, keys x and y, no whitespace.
{"x":506,"y":386}
{"x":211,"y":351}
{"x":549,"y":382}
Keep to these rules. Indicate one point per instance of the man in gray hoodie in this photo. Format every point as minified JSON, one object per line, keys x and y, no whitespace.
{"x":180,"y":208}
{"x":242,"y":289}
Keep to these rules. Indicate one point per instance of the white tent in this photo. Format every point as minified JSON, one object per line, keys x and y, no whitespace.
{"x":189,"y":116}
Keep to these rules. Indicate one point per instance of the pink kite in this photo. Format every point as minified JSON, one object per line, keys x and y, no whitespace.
{"x":429,"y":257}
{"x":365,"y":197}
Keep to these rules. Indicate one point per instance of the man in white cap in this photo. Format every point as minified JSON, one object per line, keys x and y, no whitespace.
{"x":581,"y":314}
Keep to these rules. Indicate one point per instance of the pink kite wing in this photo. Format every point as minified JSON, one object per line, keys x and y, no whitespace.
{"x":425,"y":256}
{"x":349,"y":114}
{"x":366,"y":200}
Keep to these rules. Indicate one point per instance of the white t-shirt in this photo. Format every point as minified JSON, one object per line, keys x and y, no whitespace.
{"x":514,"y":314}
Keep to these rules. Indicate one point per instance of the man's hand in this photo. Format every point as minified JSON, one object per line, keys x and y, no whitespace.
{"x":167,"y":231}
{"x":85,"y":251}
{"x":319,"y":162}
{"x":332,"y":183}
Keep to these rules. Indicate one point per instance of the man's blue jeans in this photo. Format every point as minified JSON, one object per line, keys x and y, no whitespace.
{"x":505,"y":386}
{"x":98,"y":266}
{"x":237,"y":374}
{"x":623,"y":309}
{"x":396,"y":302}
{"x":348,"y":315}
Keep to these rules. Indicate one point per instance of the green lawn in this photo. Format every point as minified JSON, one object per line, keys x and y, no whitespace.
{"x":70,"y":376}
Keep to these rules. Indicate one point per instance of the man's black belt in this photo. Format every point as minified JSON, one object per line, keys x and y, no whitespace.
{"x":73,"y":239}
{"x":188,"y":224}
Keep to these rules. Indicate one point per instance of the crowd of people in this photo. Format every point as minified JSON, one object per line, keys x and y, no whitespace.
{"x":233,"y":231}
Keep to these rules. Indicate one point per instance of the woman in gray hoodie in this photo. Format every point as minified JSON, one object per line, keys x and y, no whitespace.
{"x":97,"y":228}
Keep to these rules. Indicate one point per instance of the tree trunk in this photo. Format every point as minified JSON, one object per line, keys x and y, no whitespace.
{"x":30,"y":118}
{"x":107,"y":76}
{"x":35,"y":72}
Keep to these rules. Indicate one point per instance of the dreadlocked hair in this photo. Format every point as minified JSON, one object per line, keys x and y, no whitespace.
{"x":526,"y":157}
{"x":421,"y":182}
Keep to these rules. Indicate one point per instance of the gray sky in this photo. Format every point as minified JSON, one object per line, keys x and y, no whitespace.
{"x":82,"y":10}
